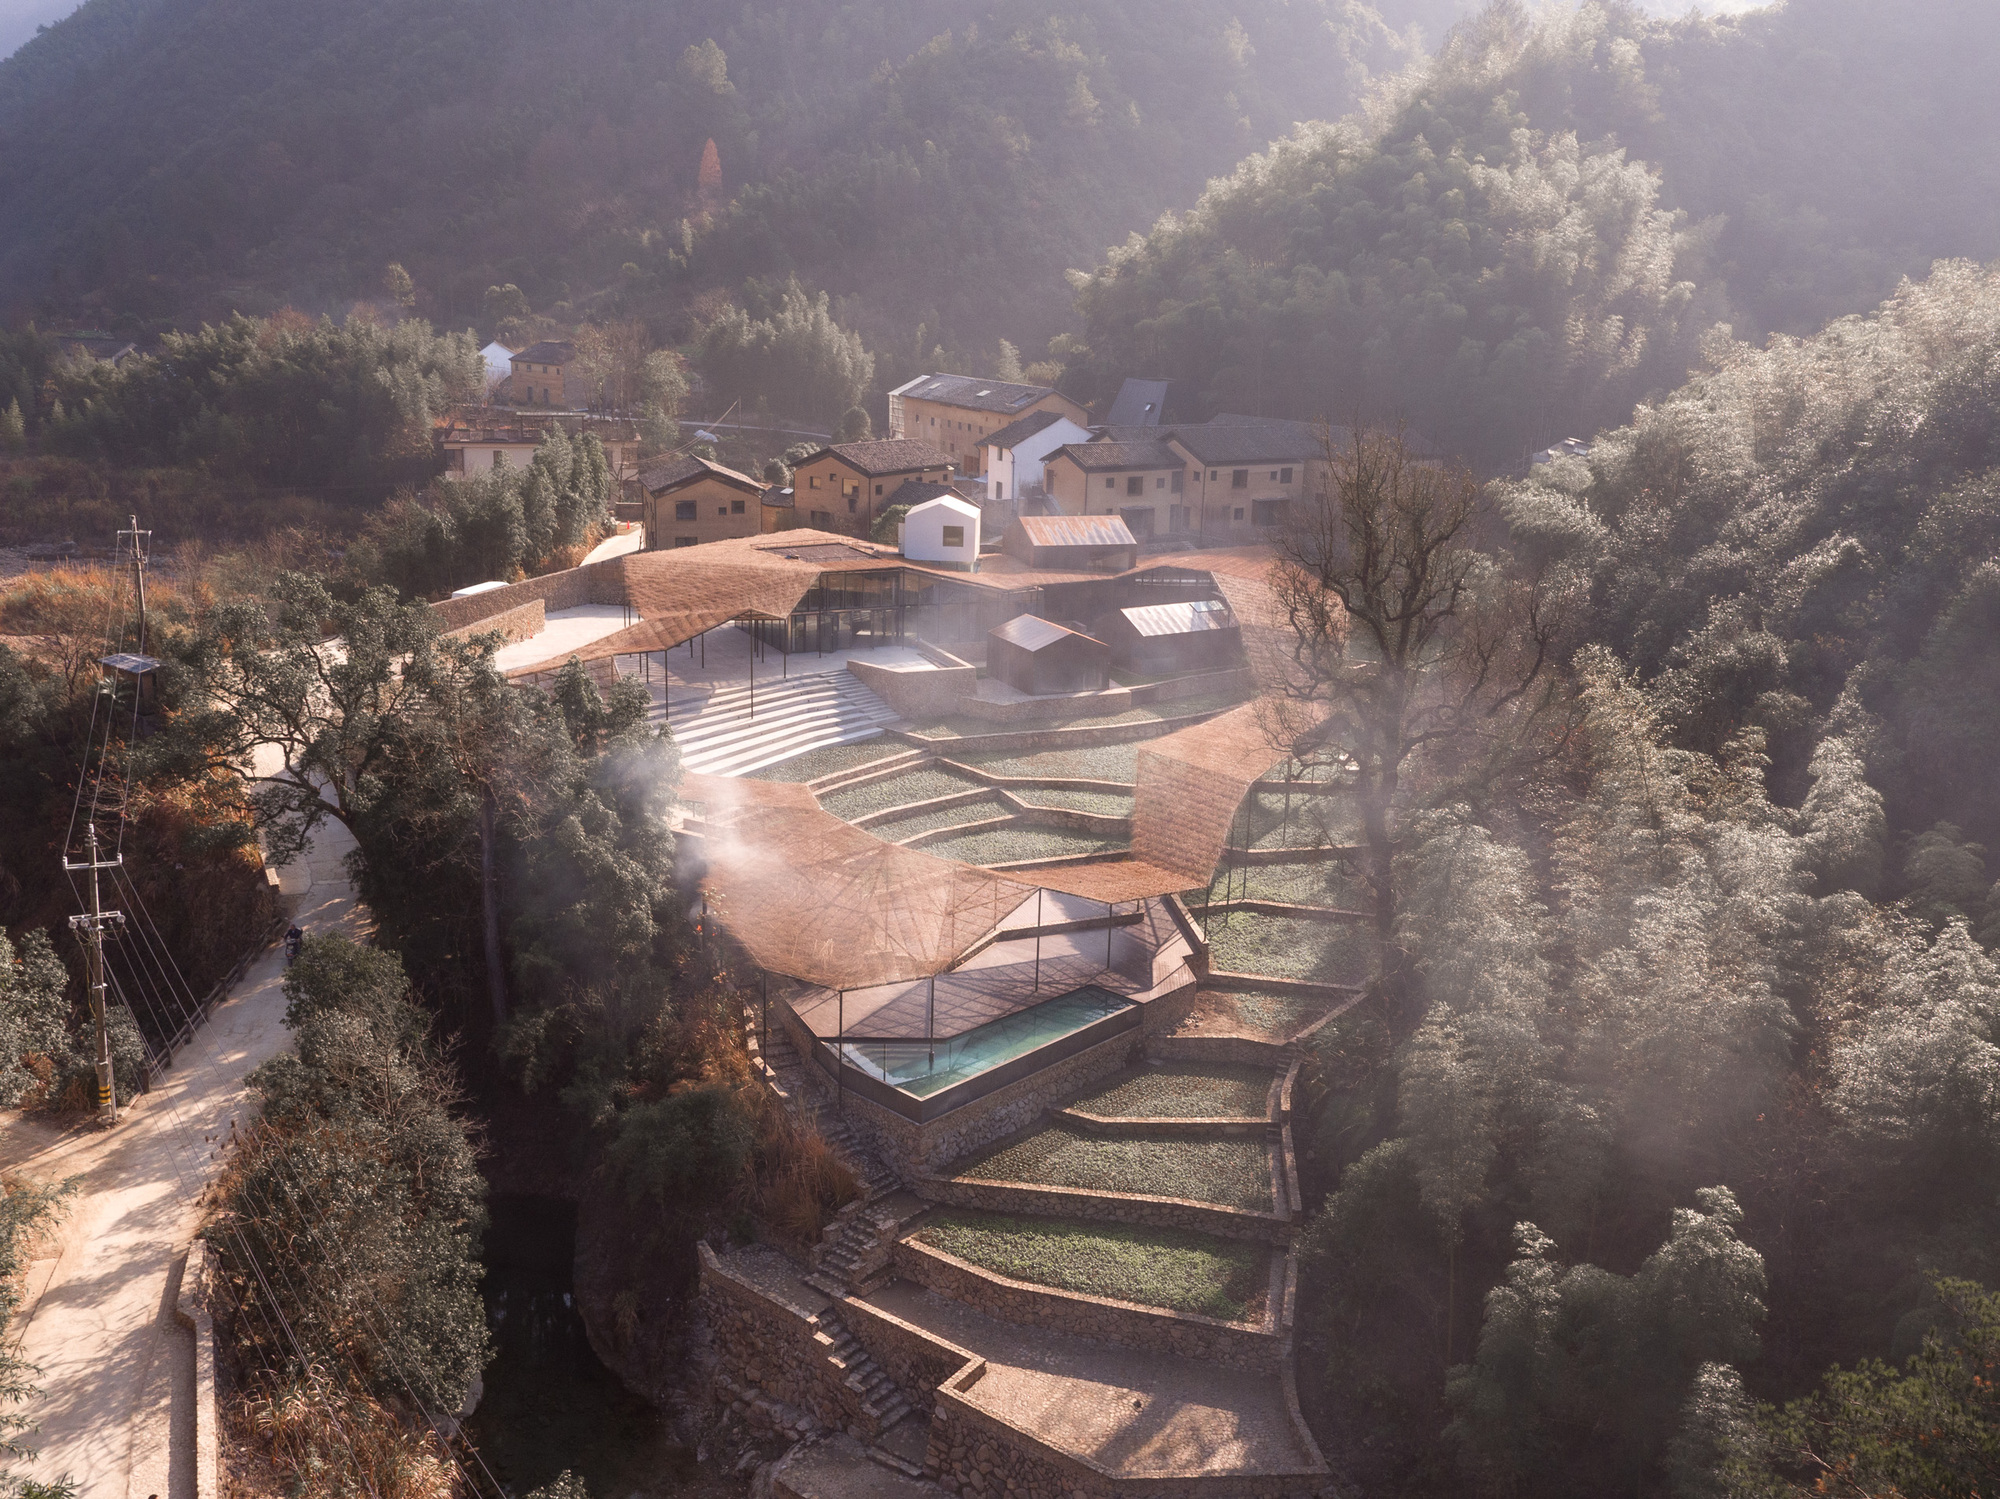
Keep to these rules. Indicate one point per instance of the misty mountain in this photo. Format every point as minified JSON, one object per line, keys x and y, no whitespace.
{"x":1538,"y":227}
{"x":942,"y":163}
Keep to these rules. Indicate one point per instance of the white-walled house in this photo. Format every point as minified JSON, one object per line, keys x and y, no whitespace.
{"x":499,"y":361}
{"x":1014,"y":455}
{"x":944,"y":530}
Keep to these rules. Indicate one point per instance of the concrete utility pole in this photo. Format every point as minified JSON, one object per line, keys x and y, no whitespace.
{"x":93,"y":924}
{"x":139,"y":541}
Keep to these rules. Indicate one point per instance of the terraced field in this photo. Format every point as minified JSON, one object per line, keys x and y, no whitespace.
{"x":1327,"y":883}
{"x":1163,"y":1267}
{"x":1102,"y":762}
{"x":1010,"y":845}
{"x":1186,"y":1091}
{"x":965,"y":727}
{"x":1267,"y":1017}
{"x":1288,"y":947}
{"x":919,"y":785}
{"x":897,"y":829}
{"x":825,"y":761}
{"x":1103,"y":803}
{"x":1232,"y":1173}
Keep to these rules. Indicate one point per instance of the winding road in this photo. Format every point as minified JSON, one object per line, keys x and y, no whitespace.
{"x":116,"y":1412}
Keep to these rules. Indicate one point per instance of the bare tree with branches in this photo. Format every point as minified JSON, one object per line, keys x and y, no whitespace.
{"x":1417,"y":661}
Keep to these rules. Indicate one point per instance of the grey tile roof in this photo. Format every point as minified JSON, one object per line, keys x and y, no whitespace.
{"x":1139,"y":404}
{"x":685,"y":468}
{"x":1092,"y":457}
{"x":1021,"y":431}
{"x":1248,"y":441}
{"x":973,"y":393}
{"x":885,"y":455}
{"x":547,"y":352}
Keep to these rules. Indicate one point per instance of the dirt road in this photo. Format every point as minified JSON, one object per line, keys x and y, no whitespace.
{"x":116,"y":1412}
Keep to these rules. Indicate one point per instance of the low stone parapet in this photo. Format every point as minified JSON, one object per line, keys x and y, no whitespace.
{"x":916,"y":1360}
{"x":1107,"y":1207}
{"x":1240,"y":1345}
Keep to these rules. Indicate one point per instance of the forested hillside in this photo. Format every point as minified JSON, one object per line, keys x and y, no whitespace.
{"x":1685,"y":1079}
{"x":1538,"y":226}
{"x":934,"y":163}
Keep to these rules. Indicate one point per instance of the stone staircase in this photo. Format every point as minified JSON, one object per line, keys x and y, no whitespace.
{"x":719,"y":735}
{"x":882,"y":1403}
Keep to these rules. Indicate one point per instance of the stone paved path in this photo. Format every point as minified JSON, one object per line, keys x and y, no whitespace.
{"x":1135,"y":1413}
{"x":116,"y":1411}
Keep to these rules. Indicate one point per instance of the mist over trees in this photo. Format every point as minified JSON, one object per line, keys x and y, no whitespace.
{"x":1538,"y":226}
{"x":937,"y":163}
{"x":1687,"y":1084}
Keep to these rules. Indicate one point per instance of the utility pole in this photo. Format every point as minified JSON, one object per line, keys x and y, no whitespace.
{"x":93,"y":925}
{"x":140,"y":540}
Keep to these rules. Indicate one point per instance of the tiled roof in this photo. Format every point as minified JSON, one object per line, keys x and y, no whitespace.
{"x":1076,"y":531}
{"x":1094,"y":456}
{"x":548,"y":351}
{"x":1021,"y":431}
{"x":885,"y":455}
{"x":916,"y":491}
{"x":1139,"y":404}
{"x":1033,"y":633}
{"x":1248,"y":441}
{"x":686,"y":468}
{"x":973,"y":393}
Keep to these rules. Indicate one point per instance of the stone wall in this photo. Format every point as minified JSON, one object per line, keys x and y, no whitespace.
{"x":1239,"y":1345}
{"x":913,"y":1358}
{"x":1041,"y":709}
{"x":912,"y":1150}
{"x":1235,"y":679}
{"x":1044,"y":739}
{"x":768,"y":1346}
{"x":977,"y":1455}
{"x":1107,"y":1207}
{"x":522,"y":622}
{"x":936,"y":693}
{"x":1238,"y":1051}
{"x":593,"y":583}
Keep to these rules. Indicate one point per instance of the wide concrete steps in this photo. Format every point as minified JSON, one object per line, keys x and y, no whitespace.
{"x":735,"y":731}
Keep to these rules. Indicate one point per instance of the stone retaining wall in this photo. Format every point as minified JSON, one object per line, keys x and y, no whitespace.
{"x":1240,"y":1345}
{"x":917,"y":1361}
{"x":1237,"y":679}
{"x":522,"y":622}
{"x":1025,"y":710}
{"x":771,"y":1347}
{"x":937,"y":693}
{"x":1145,"y":1127}
{"x":1242,"y":1051}
{"x":1044,"y":739}
{"x":913,"y":1150}
{"x":977,"y":1454}
{"x":593,"y":583}
{"x":1107,"y":1207}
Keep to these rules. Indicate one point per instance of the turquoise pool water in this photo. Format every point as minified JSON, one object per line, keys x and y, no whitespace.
{"x":922,"y":1069}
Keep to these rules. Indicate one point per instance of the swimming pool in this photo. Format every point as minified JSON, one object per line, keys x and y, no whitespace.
{"x":925,"y":1069}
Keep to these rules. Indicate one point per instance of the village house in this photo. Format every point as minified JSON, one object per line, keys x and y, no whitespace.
{"x":690,"y":500}
{"x":845,"y":487}
{"x":477,"y":442}
{"x":1012,"y":458}
{"x":1144,"y":482}
{"x":1244,"y":473}
{"x":957,"y":413}
{"x":539,"y":373}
